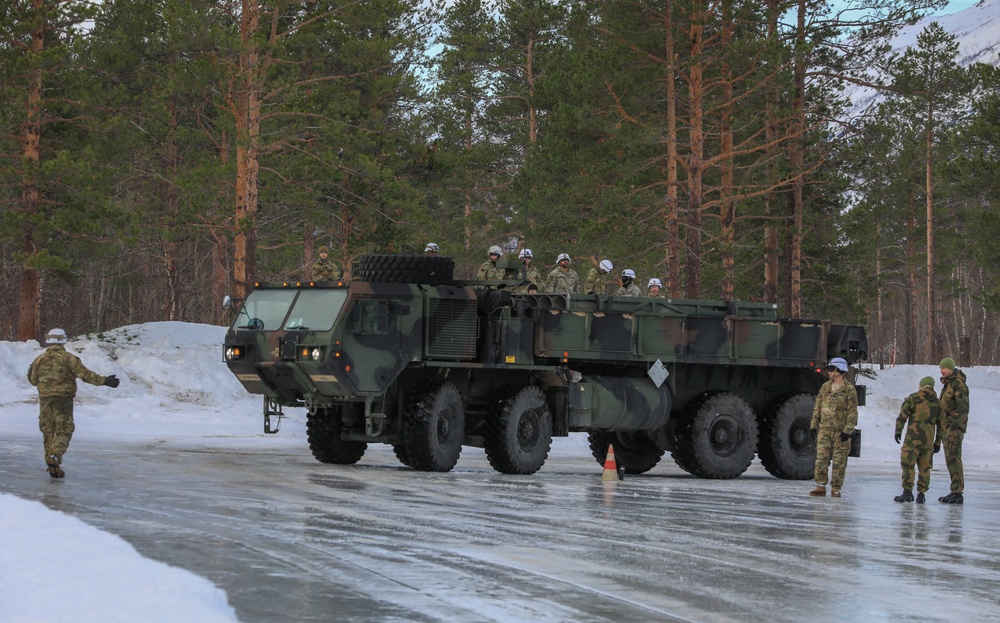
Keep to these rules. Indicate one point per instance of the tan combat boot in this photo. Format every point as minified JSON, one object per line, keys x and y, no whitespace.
{"x":834,"y":492}
{"x":818,"y":492}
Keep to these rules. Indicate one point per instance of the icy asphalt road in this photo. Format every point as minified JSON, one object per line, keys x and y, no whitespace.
{"x":290,"y":539}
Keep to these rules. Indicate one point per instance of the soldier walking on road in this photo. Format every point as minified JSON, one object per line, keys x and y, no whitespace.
{"x":54,"y":373}
{"x":563,"y":279}
{"x":325,"y":269}
{"x":955,"y":413}
{"x":835,"y":415}
{"x":923,"y":438}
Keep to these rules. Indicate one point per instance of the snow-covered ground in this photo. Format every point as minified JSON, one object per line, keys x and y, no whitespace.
{"x":175,"y":386}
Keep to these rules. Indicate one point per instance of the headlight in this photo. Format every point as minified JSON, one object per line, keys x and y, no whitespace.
{"x":234,"y":353}
{"x":317,"y":354}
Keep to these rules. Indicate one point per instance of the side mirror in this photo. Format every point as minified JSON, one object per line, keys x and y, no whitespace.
{"x":227,"y":302}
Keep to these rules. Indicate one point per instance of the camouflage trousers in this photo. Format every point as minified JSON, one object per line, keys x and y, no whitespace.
{"x":829,"y":446}
{"x":55,"y":419}
{"x":923,"y":458}
{"x":953,"y":458}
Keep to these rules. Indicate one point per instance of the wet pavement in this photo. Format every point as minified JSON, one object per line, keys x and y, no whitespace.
{"x":291,"y":539}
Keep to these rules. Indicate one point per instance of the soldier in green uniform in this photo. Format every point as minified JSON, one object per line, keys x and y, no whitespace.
{"x":531,"y":274}
{"x":835,"y":415}
{"x":489,"y":271}
{"x":325,"y":269}
{"x":563,"y":279}
{"x":54,"y":373}
{"x":654,"y":289}
{"x":628,"y":284}
{"x":923,"y":438}
{"x":594,"y":284}
{"x":955,"y":413}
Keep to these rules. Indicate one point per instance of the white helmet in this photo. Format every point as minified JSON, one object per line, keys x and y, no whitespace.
{"x":55,"y":336}
{"x":563,"y":256}
{"x":495,"y":250}
{"x":654,"y":282}
{"x":839,"y":363}
{"x":525,"y":253}
{"x":606,"y":266}
{"x":431,"y":248}
{"x":629,"y":273}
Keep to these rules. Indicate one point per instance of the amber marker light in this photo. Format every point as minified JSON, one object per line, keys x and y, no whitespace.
{"x":565,"y":356}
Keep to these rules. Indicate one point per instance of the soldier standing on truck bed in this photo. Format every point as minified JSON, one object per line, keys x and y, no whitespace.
{"x":54,"y":373}
{"x":489,"y":271}
{"x":531,"y":274}
{"x":835,"y":415}
{"x":325,"y":269}
{"x":955,"y":412}
{"x":628,"y":284}
{"x":563,"y":279}
{"x":654,"y":289}
{"x":923,"y":438}
{"x":595,"y":278}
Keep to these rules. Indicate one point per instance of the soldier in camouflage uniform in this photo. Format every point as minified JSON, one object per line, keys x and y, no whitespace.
{"x":923,"y":438}
{"x":654,"y":289}
{"x":325,"y":269}
{"x":489,"y":271}
{"x":835,"y":415}
{"x":955,"y":413}
{"x":628,"y":284}
{"x":563,"y":279}
{"x":594,"y":283}
{"x":54,"y":373}
{"x":530,"y":274}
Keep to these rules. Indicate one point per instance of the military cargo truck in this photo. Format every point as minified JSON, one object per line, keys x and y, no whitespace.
{"x":408,"y":356}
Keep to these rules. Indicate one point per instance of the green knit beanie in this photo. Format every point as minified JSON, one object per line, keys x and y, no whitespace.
{"x":947,"y":363}
{"x":927,"y":382}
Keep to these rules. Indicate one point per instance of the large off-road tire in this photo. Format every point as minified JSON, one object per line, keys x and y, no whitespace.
{"x":634,"y":451}
{"x":432,"y":270}
{"x":518,"y":432}
{"x":717,"y":437}
{"x":434,"y":428}
{"x":400,"y":451}
{"x":787,"y":449}
{"x":323,"y":433}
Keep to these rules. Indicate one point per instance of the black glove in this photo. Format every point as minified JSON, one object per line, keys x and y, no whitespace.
{"x":898,"y":435}
{"x":844,"y":437}
{"x":937,"y":448}
{"x":112,"y":381}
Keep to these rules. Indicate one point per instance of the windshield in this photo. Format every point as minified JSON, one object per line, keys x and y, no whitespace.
{"x":264,"y":309}
{"x":316,"y":310}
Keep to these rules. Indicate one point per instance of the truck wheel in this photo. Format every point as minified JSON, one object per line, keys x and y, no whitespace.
{"x":519,"y":432}
{"x":400,"y":451}
{"x":787,"y":449}
{"x":425,"y":269}
{"x":634,"y":451}
{"x":718,"y":437}
{"x":434,"y":428}
{"x":323,"y":433}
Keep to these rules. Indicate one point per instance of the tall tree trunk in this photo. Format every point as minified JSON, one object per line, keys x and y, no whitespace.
{"x":172,"y":214}
{"x":697,"y":153}
{"x":672,"y":248}
{"x":28,"y":308}
{"x":931,"y":344}
{"x":247,"y":150}
{"x":797,"y":161}
{"x":771,"y":199}
{"x":728,"y":205}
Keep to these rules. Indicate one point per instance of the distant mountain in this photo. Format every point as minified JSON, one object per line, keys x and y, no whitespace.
{"x":976,"y":28}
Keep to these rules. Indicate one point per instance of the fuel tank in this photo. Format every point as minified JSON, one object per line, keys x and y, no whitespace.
{"x":600,"y":402}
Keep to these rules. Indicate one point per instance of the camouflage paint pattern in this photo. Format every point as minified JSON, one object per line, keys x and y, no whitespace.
{"x":56,"y":370}
{"x":529,"y":276}
{"x":562,"y":281}
{"x":490,"y":271}
{"x":835,"y":411}
{"x":922,"y":411}
{"x":55,"y":420}
{"x":955,"y":411}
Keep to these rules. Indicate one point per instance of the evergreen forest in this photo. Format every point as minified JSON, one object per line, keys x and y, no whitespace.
{"x":156,"y":155}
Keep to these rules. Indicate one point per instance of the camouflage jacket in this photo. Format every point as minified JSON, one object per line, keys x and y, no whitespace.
{"x":594,"y":283}
{"x":631,"y":290}
{"x":923,"y":411}
{"x":55,"y":372}
{"x":489,"y":271}
{"x":325,"y":270}
{"x":560,"y":282}
{"x":532,"y":276}
{"x":836,"y":408}
{"x":955,"y":400}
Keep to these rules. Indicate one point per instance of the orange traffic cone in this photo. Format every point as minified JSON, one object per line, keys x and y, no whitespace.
{"x":610,"y":467}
